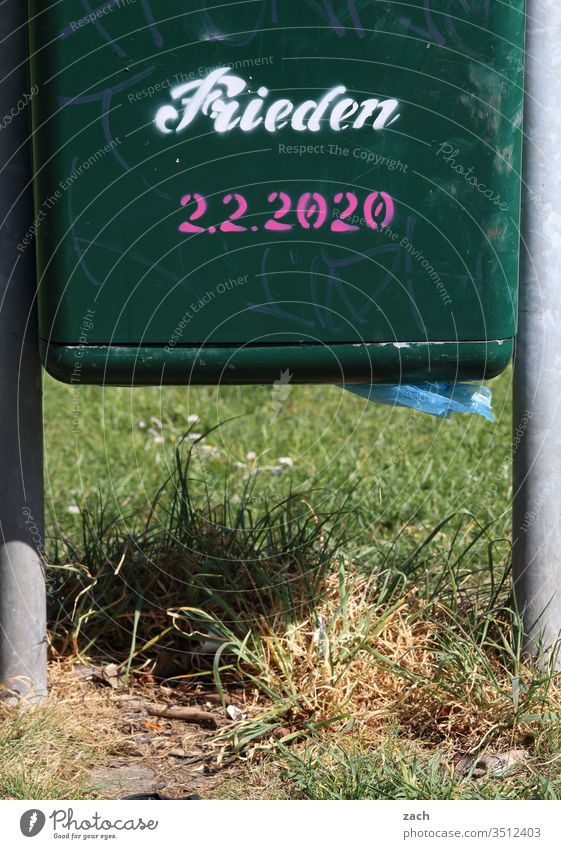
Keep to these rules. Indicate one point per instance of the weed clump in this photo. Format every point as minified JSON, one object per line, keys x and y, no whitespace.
{"x":323,"y":635}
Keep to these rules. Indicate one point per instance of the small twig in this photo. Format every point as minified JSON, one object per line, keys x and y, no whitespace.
{"x":187,"y":714}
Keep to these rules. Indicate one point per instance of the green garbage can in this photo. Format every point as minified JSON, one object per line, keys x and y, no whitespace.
{"x":226,"y":192}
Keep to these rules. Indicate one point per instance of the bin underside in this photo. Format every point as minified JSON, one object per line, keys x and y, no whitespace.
{"x":125,"y":365}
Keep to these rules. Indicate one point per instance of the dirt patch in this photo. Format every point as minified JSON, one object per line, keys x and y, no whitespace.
{"x":135,"y":751}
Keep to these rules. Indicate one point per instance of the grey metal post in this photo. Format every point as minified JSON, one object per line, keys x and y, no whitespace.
{"x":23,"y":650}
{"x":537,"y":374}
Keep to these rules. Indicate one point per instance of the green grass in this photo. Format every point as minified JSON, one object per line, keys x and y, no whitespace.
{"x":40,"y":758}
{"x":276,"y":517}
{"x":397,"y":771}
{"x":394,"y":465}
{"x":384,"y":478}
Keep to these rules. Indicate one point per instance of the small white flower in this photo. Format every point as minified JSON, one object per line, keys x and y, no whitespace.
{"x":195,"y":436}
{"x":158,"y":440}
{"x":74,"y":509}
{"x":251,"y":456}
{"x":193,"y":419}
{"x":156,"y":422}
{"x":141,"y":423}
{"x":286,"y":461}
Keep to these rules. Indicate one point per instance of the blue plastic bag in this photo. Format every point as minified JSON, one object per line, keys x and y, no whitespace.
{"x":437,"y":399}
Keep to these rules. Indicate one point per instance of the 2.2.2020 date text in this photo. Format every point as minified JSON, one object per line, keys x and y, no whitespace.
{"x":311,"y":211}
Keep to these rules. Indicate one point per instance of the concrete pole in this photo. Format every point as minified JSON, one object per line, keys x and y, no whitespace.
{"x":23,"y":649}
{"x":537,"y":373}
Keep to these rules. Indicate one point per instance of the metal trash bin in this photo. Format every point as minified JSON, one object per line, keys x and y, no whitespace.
{"x":330,"y":187}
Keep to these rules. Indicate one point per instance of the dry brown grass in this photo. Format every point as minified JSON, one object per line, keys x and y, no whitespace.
{"x":90,"y":711}
{"x":411,"y":665}
{"x":346,"y":669}
{"x":48,"y":751}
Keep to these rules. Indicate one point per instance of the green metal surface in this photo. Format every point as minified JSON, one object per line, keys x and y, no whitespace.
{"x":429,"y":176}
{"x":374,"y":363}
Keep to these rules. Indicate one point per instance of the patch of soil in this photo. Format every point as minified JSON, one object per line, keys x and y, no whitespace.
{"x":139,"y":749}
